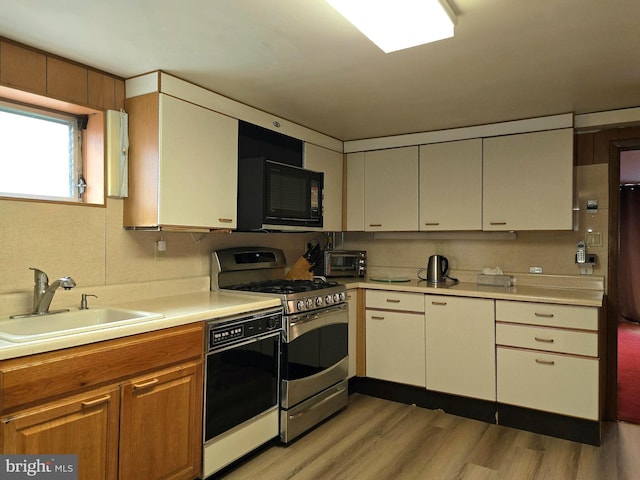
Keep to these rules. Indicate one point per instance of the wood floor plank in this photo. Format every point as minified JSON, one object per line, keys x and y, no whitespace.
{"x":375,"y":439}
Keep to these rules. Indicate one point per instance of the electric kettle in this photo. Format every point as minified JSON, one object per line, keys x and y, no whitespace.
{"x":437,"y":269}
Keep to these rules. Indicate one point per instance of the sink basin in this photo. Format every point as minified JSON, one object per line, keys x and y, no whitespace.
{"x":67,"y":323}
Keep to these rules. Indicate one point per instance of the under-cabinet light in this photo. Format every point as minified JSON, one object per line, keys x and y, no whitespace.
{"x":398,"y":24}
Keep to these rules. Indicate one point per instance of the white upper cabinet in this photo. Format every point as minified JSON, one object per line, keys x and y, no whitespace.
{"x":451,"y":186}
{"x":330,"y":163}
{"x":198,"y":166}
{"x":183,"y":165}
{"x":355,"y":192}
{"x":528,"y":181}
{"x":391,"y":190}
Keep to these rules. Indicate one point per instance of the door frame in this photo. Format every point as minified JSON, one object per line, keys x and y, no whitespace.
{"x":611,"y":302}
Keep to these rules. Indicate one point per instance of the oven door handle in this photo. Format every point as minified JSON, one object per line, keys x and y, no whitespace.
{"x":302,"y":324}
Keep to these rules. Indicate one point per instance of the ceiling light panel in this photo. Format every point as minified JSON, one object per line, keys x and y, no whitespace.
{"x":398,"y":24}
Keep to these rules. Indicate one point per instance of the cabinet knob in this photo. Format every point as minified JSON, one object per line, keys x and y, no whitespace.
{"x":375,"y":224}
{"x":375,"y":317}
{"x":497,"y":223}
{"x":442,"y":304}
{"x":432,"y":224}
{"x":544,"y":340}
{"x":392,"y":300}
{"x":544,"y":315}
{"x":225,"y":220}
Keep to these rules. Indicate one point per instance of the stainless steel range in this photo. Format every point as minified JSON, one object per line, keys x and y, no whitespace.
{"x":314,"y":366}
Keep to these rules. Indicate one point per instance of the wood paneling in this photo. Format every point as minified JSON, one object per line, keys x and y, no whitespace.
{"x":66,"y":81}
{"x":584,"y":149}
{"x":100,"y":90}
{"x":23,"y":68}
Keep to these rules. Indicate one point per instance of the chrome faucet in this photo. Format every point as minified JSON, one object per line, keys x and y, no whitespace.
{"x":43,"y":292}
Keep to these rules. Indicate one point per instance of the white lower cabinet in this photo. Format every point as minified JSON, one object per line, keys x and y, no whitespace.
{"x":395,"y":345}
{"x":460,"y":346}
{"x":547,"y":358}
{"x":554,"y":383}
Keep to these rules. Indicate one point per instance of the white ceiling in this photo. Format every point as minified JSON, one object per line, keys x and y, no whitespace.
{"x":300,"y":60}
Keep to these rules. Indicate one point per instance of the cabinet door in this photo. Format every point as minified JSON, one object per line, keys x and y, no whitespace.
{"x":391,"y":190}
{"x":355,"y":192}
{"x":23,"y":68}
{"x":330,"y":163}
{"x":451,"y":186}
{"x":85,"y":425}
{"x":198,"y":166}
{"x":528,"y":181}
{"x":161,"y":424}
{"x":460,"y":348}
{"x":396,"y":347}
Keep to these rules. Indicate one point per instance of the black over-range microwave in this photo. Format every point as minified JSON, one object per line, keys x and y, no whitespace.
{"x":276,"y":196}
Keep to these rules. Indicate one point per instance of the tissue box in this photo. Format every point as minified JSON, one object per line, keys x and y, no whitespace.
{"x":494,"y":280}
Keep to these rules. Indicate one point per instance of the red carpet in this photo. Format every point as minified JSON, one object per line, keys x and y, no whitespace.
{"x":629,"y":372}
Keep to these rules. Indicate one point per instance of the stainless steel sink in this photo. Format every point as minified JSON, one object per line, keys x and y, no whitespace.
{"x":28,"y":329}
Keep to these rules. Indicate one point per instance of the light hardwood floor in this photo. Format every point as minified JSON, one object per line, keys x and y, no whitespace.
{"x":376,"y":439}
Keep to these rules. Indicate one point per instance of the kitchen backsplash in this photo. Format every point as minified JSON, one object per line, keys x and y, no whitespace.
{"x":90,"y":245}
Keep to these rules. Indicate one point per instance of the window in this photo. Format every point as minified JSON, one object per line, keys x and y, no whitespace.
{"x":40,"y":154}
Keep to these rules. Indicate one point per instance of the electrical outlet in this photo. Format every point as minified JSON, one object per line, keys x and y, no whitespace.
{"x":535,"y":269}
{"x":160,"y":248}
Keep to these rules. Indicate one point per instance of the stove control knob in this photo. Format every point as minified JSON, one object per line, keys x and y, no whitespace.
{"x":308,"y":303}
{"x":328,"y":300}
{"x":300,"y":305}
{"x":319,"y":301}
{"x":336,"y":297}
{"x":342,"y":296}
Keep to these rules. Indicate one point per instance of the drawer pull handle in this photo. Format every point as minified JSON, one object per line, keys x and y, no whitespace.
{"x":544,"y":315}
{"x":498,"y":223}
{"x":545,"y":362}
{"x":225,"y":220}
{"x":375,"y":224}
{"x":97,"y":401}
{"x":432,"y":224}
{"x":140,"y":386}
{"x":443,"y":304}
{"x":391,"y":300}
{"x":375,"y":317}
{"x":544,"y":340}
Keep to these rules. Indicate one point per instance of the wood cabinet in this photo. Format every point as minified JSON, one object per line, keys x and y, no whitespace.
{"x":159,"y":418}
{"x":140,"y":397}
{"x":528,"y":181}
{"x":85,"y":425}
{"x":391,"y":190}
{"x":183,"y":165}
{"x":330,"y":163}
{"x":451,"y":186}
{"x":66,"y":81}
{"x":395,"y":337}
{"x":460,"y":346}
{"x":548,"y":358}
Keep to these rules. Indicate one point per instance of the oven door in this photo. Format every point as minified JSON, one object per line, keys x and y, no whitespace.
{"x":241,"y":383}
{"x":314,"y":353}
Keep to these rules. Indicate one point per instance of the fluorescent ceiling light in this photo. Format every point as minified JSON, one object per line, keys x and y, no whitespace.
{"x":398,"y":24}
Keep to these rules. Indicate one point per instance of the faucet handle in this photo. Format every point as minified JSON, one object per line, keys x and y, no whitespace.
{"x":83,"y":302}
{"x":39,"y":276}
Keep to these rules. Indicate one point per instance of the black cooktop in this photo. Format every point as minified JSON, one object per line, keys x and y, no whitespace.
{"x":284,"y":287}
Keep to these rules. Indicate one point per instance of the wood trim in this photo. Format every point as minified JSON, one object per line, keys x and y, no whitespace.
{"x":361,"y":333}
{"x":141,"y":206}
{"x":29,"y":380}
{"x":611,"y":329}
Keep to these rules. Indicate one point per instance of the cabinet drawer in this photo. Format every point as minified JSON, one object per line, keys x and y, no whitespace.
{"x":408,"y":302}
{"x":549,"y":339}
{"x":546,"y":314}
{"x":549,"y":382}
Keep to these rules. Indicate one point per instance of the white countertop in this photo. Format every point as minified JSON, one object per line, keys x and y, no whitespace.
{"x":177,"y":310}
{"x":524,"y":293}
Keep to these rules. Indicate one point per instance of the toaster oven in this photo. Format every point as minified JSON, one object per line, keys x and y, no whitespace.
{"x":343,"y":263}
